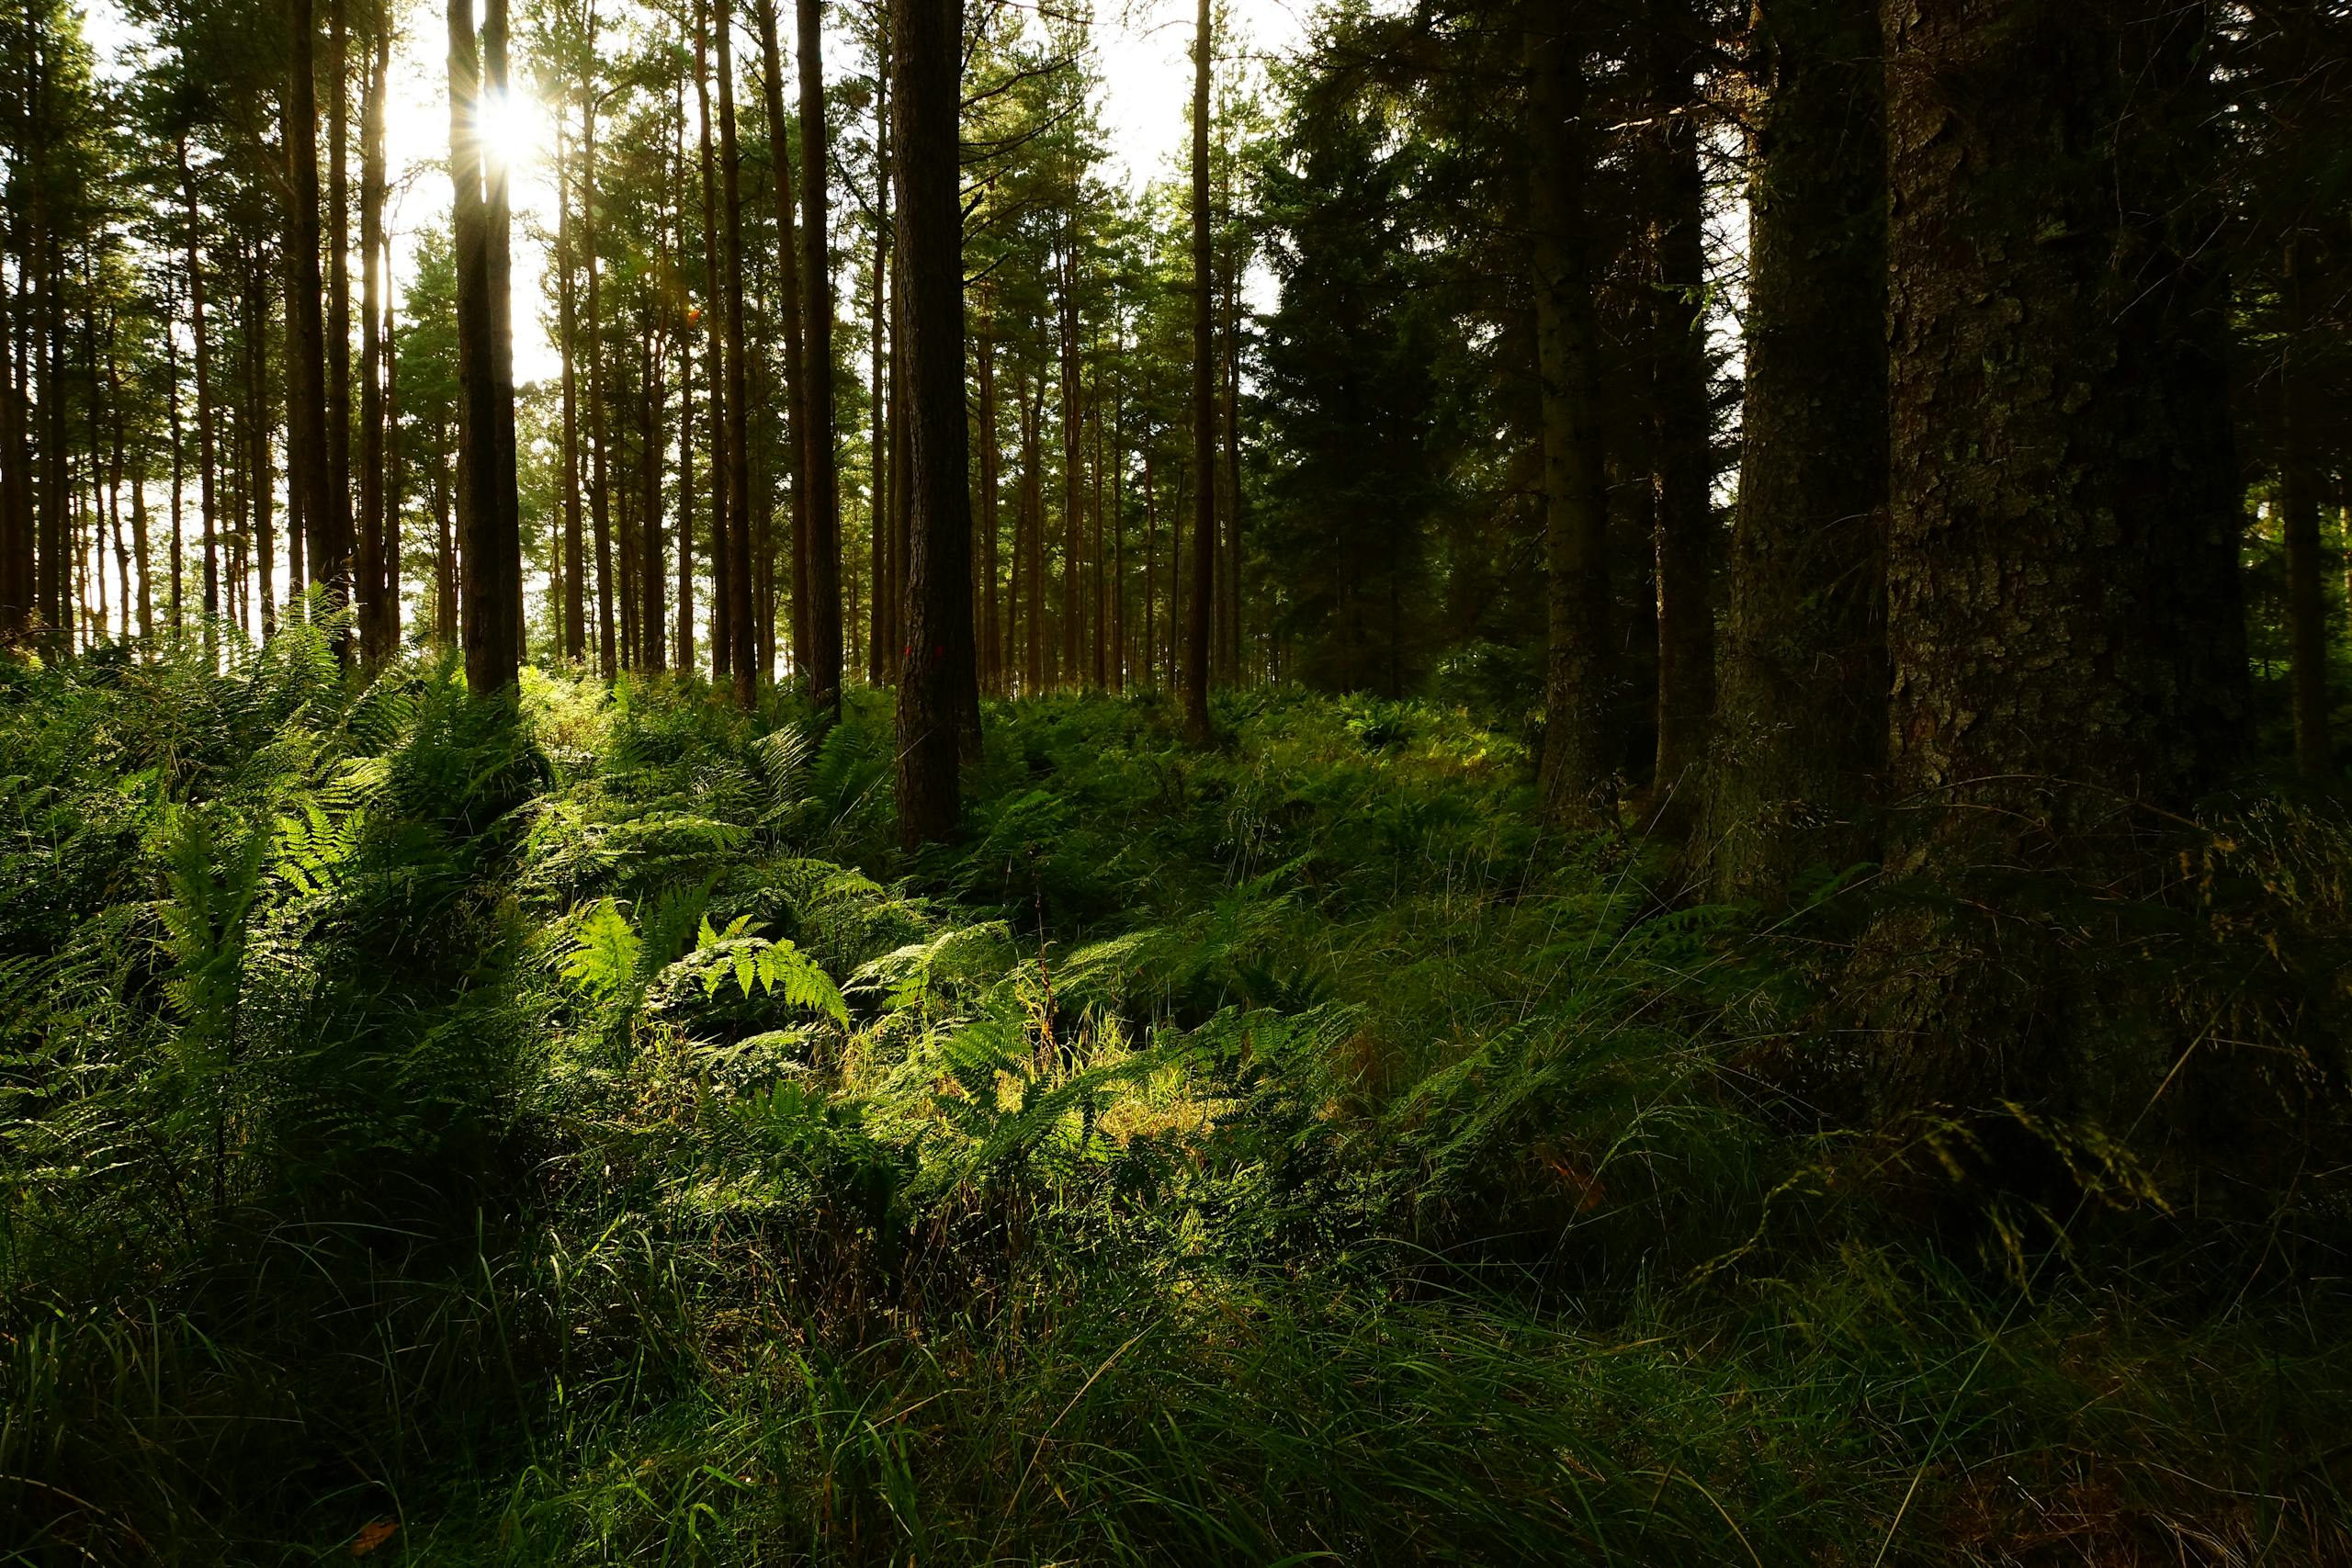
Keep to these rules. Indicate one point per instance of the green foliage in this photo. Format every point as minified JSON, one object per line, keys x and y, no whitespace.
{"x":609,"y":1147}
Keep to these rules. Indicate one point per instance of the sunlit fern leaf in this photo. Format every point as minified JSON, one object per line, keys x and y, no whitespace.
{"x":604,"y":949}
{"x":756,"y":963}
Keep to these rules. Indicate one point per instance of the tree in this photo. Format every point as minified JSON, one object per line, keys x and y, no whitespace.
{"x":927,"y":37}
{"x":309,"y":476}
{"x":1803,"y":708}
{"x":1578,"y":770}
{"x":817,"y":432}
{"x":741,"y":628}
{"x":488,"y":522}
{"x":2064,"y":627}
{"x":1198,"y":622}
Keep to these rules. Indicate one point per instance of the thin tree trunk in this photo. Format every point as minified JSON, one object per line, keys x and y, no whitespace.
{"x":600,"y":505}
{"x":179,"y":476}
{"x":1196,"y":643}
{"x":307,"y":468}
{"x":377,"y":637}
{"x":653,"y":572}
{"x":1684,"y":510}
{"x":796,"y":334}
{"x":2299,"y":519}
{"x":392,"y":460}
{"x":206,"y":498}
{"x":817,"y":457}
{"x":1032,"y":532}
{"x":260,"y":481}
{"x":1578,"y":772}
{"x":574,"y":627}
{"x":991,"y":633}
{"x":722,"y":643}
{"x":741,"y":629}
{"x":881,"y":505}
{"x":338,"y":322}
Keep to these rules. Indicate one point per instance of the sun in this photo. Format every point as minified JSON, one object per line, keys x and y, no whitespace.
{"x":513,"y":126}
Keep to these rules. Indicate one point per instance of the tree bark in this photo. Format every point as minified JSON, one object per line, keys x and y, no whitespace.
{"x":308,"y":471}
{"x":600,"y":497}
{"x":574,"y":624}
{"x":991,"y":629}
{"x":1801,"y":740}
{"x":796,"y":346}
{"x":338,"y":321}
{"x":376,"y":618}
{"x":1196,"y":642}
{"x":1577,"y":774}
{"x":2065,"y":630}
{"x":936,"y":664}
{"x":722,"y":644}
{"x":816,"y":433}
{"x":882,"y":505}
{"x":1684,"y":511}
{"x":742,"y":631}
{"x":488,"y":539}
{"x":2299,"y":501}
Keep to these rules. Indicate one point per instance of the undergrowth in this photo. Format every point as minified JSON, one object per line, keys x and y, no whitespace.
{"x":439,"y":1134}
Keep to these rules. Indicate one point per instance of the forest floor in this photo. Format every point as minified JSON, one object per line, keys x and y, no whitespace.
{"x":434,"y":1139}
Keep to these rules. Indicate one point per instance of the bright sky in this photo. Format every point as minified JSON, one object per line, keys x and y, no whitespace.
{"x":1146,"y":79}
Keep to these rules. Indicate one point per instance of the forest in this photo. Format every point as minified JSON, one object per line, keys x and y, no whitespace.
{"x":921,"y":782}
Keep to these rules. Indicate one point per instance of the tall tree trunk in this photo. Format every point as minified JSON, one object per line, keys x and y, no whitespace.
{"x":179,"y":478}
{"x":1150,"y":567}
{"x":1234,"y":515}
{"x":338,"y":322}
{"x":722,"y":642}
{"x":1119,"y":529}
{"x":1032,"y":532}
{"x":505,"y":541}
{"x":881,"y":504}
{"x":262,"y":482}
{"x":1683,"y":510}
{"x":575,"y":632}
{"x":653,"y":572}
{"x":740,"y":628}
{"x":1197,"y":623}
{"x":991,"y":629}
{"x":1073,"y":415}
{"x":445,"y":545}
{"x":1801,"y":737}
{"x":390,"y":529}
{"x":486,"y":516}
{"x":796,"y":332}
{"x":2299,"y":501}
{"x":1579,"y":746}
{"x":600,"y":495}
{"x":687,"y":499}
{"x":308,"y":471}
{"x":815,"y":448}
{"x":376,"y":618}
{"x":936,"y":664}
{"x":2064,"y":622}
{"x":206,"y":498}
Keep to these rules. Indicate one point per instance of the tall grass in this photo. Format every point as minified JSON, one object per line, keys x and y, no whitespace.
{"x":588,"y":1140}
